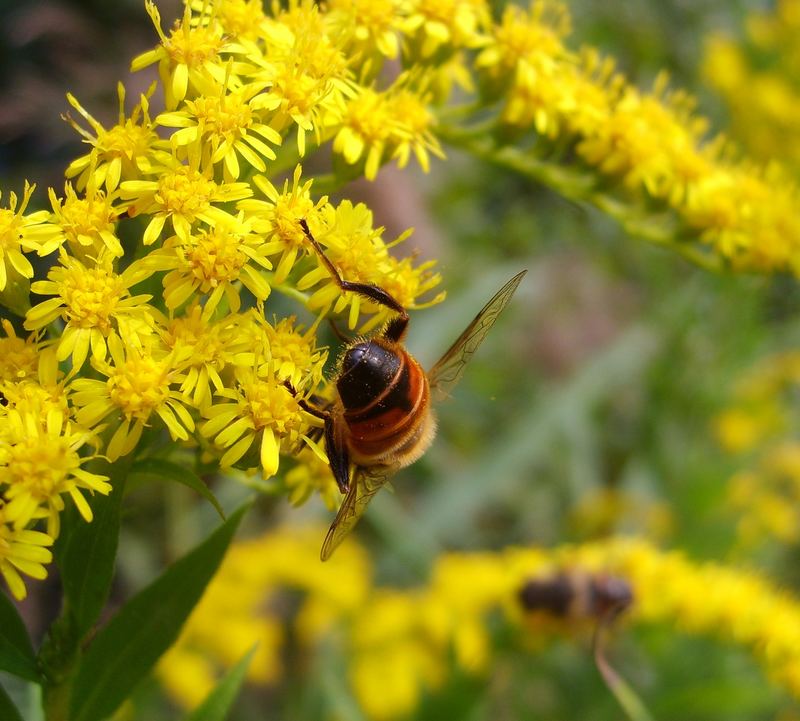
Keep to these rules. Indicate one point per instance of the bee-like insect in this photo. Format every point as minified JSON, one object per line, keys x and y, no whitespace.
{"x":577,"y":595}
{"x":381,"y":419}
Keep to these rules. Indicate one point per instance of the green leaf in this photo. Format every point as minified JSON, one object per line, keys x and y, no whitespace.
{"x":8,"y":711}
{"x":216,"y":705}
{"x":88,"y":557}
{"x":16,"y":652}
{"x":160,"y":469}
{"x":127,"y":648}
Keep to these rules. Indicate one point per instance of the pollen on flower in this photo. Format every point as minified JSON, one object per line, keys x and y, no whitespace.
{"x":138,"y":387}
{"x":278,"y":219}
{"x":88,"y":222}
{"x":41,"y":462}
{"x":21,"y":233}
{"x":264,"y":414}
{"x":118,"y":152}
{"x":92,"y":300}
{"x":19,"y":357}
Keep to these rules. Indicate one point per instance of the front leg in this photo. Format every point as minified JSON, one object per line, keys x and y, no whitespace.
{"x":335,"y":447}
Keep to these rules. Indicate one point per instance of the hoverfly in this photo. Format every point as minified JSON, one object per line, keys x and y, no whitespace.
{"x":578,"y":596}
{"x":381,"y":419}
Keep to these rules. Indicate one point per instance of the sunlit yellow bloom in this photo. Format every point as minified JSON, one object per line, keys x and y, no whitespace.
{"x":292,"y":352}
{"x":367,"y":25}
{"x":360,"y":255}
{"x":379,"y":125}
{"x":20,"y":233}
{"x":202,"y":350}
{"x":41,"y":392}
{"x":122,"y":152}
{"x":307,"y":75}
{"x":432,"y":24}
{"x":89,"y":223}
{"x":95,"y":304}
{"x":262,"y":419}
{"x":187,"y":57}
{"x":212,"y":261}
{"x":238,"y":18}
{"x":182,"y":194}
{"x":19,"y":357}
{"x":393,"y":664}
{"x":238,"y":608}
{"x":312,"y":475}
{"x":22,"y":551}
{"x":139,"y":386}
{"x":278,"y":219}
{"x":41,"y":462}
{"x":221,"y":128}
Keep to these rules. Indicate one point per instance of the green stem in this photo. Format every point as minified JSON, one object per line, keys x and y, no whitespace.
{"x":580,"y":185}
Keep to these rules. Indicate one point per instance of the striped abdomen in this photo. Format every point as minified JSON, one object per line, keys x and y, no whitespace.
{"x":386,"y":403}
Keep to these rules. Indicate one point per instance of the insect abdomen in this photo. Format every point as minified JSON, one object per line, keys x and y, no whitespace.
{"x":383,"y":412}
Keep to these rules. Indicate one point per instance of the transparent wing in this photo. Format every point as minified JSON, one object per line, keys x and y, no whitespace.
{"x":448,"y":370}
{"x":364,"y":484}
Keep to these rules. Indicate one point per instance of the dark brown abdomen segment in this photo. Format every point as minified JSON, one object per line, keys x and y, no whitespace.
{"x":394,"y":417}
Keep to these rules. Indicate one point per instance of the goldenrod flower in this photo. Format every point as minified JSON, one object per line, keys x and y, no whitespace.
{"x":367,"y":25}
{"x":534,"y":37}
{"x":186,"y":58}
{"x":312,"y":475}
{"x":278,"y":219}
{"x":380,"y":125}
{"x":139,"y":386}
{"x":293,"y":353}
{"x":359,"y":253}
{"x":307,"y":75}
{"x":19,"y":357}
{"x":434,"y":24}
{"x":202,"y":350}
{"x":40,"y":462}
{"x":220,"y":128}
{"x":212,"y":261}
{"x":122,"y":152}
{"x":20,"y":233}
{"x":88,"y":223}
{"x":22,"y":551}
{"x":242,"y":19}
{"x":96,"y":305}
{"x":262,"y":419}
{"x":184,"y":195}
{"x":41,"y":392}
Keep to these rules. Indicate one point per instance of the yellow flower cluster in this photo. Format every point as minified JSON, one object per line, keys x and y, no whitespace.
{"x":758,"y":428}
{"x":643,"y":156}
{"x":169,"y":238}
{"x":403,"y":643}
{"x":758,"y":78}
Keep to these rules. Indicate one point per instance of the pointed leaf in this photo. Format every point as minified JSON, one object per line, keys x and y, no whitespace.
{"x":16,"y":651}
{"x":160,"y":469}
{"x":218,"y":703}
{"x":127,"y":648}
{"x":88,"y":557}
{"x":8,"y":711}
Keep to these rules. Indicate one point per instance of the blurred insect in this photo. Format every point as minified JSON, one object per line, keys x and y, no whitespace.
{"x":381,"y":419}
{"x":576,"y":595}
{"x":579,"y":596}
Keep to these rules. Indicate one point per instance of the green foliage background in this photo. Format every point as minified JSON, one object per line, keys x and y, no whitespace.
{"x":606,"y":375}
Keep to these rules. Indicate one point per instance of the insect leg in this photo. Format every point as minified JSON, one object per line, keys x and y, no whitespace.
{"x":396,"y":328}
{"x":338,"y":457}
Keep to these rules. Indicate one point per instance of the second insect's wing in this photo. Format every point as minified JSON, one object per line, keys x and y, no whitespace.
{"x":450,"y":367}
{"x":364,"y":484}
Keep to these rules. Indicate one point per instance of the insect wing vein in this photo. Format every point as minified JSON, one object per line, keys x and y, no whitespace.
{"x":450,"y":367}
{"x":363,"y":486}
